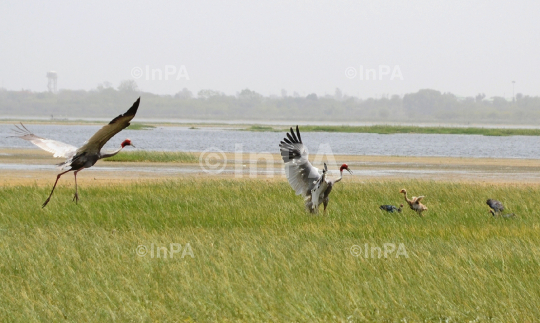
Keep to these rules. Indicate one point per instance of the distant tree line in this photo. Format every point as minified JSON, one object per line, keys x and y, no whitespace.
{"x":423,"y":106}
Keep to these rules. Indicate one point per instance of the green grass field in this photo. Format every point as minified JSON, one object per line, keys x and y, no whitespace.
{"x":257,"y":256}
{"x":389,"y":129}
{"x":154,"y":156}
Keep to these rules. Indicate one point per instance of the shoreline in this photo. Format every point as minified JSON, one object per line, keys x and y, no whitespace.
{"x":338,"y":127}
{"x":33,"y":166}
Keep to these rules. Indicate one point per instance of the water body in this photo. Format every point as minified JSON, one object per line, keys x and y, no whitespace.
{"x":215,"y":139}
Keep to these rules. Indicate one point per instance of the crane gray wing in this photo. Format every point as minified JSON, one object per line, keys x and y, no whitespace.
{"x":57,"y":148}
{"x":100,"y":138}
{"x":299,"y":171}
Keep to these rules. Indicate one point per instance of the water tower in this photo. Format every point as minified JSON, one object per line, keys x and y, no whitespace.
{"x":52,"y":76}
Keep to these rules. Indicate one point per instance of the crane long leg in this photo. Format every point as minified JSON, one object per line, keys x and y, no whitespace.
{"x":57,"y":178}
{"x":76,"y":197}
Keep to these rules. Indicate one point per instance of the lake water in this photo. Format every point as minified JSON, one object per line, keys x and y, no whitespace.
{"x":214,"y":139}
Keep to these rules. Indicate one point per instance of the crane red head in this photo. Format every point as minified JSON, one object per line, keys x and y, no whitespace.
{"x":127,"y":142}
{"x":345,"y":166}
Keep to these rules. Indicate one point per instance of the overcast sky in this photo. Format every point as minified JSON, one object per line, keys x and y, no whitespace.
{"x":462,"y":47}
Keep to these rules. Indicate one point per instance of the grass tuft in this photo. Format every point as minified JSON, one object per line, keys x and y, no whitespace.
{"x":139,"y":126}
{"x":154,"y":156}
{"x":262,"y":128}
{"x":389,"y":129}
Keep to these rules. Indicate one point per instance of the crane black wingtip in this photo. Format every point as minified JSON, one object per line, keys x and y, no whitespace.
{"x":129,"y":113}
{"x":133,"y":109}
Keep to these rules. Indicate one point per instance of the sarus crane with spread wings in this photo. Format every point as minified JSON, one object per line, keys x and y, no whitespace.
{"x":414,"y":204}
{"x":303,"y":177}
{"x":86,"y":156}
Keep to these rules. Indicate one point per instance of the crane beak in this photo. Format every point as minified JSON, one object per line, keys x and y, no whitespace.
{"x":133,"y":146}
{"x":350,"y":171}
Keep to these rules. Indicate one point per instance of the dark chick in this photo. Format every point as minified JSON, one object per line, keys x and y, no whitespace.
{"x":391,"y":208}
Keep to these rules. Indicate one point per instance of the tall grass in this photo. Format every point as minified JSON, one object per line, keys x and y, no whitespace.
{"x":259,"y":257}
{"x":262,"y":128}
{"x":389,"y":129}
{"x":154,"y":156}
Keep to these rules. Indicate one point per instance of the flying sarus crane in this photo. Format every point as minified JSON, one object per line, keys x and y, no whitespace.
{"x":86,"y":156}
{"x":303,"y":177}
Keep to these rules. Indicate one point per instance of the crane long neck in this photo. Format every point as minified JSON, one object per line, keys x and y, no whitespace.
{"x":340,"y":176}
{"x":406,"y":199}
{"x":107,"y":155}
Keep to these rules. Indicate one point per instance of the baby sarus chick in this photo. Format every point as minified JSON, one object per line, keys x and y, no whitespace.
{"x":391,"y":208}
{"x":496,"y":208}
{"x":414,"y":203}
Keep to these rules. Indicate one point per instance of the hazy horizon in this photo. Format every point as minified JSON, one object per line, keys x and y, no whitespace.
{"x":304,"y":46}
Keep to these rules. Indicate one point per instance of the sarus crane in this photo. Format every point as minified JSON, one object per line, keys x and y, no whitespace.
{"x":86,"y":156}
{"x":497,"y":207}
{"x":303,"y":177}
{"x":415,"y":204}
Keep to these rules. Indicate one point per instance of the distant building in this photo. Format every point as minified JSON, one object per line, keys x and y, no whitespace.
{"x":51,"y":85}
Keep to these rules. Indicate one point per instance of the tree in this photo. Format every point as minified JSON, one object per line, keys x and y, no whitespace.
{"x":247,"y":94}
{"x":184,"y":94}
{"x":104,"y":86}
{"x":422,"y":102}
{"x":338,"y":95}
{"x":480,"y":97}
{"x":312,"y":96}
{"x":499,"y":102}
{"x":207,"y":94}
{"x":128,"y":86}
{"x":283,"y":93}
